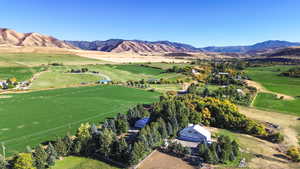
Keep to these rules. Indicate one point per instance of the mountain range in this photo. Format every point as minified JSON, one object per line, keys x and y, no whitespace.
{"x":263,"y":46}
{"x":9,"y":37}
{"x":136,"y":46}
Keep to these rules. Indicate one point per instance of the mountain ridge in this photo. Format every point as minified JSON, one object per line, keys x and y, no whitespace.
{"x":9,"y":37}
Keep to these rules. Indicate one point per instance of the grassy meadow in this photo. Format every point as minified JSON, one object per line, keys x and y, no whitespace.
{"x":31,"y":118}
{"x":270,"y":79}
{"x":73,"y":162}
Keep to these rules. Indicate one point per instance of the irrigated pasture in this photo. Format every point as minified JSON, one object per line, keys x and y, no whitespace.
{"x":270,"y":79}
{"x":31,"y":118}
{"x":21,"y":73}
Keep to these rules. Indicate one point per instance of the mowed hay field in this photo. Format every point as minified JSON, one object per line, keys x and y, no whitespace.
{"x":81,"y":163}
{"x":32,"y":118}
{"x":270,"y":79}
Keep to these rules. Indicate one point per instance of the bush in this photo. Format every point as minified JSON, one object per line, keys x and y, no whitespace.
{"x":294,"y":153}
{"x":276,"y":137}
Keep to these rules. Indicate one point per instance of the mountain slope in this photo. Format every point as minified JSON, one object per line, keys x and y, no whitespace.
{"x":136,"y":46}
{"x":267,"y":45}
{"x":10,"y":37}
{"x":290,"y":51}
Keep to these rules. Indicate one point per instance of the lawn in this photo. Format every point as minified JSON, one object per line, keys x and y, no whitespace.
{"x":21,"y":73}
{"x":31,"y":118}
{"x":270,"y":79}
{"x":81,"y":163}
{"x":35,"y":59}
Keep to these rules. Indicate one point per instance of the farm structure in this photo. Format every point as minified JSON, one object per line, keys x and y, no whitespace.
{"x":195,"y":133}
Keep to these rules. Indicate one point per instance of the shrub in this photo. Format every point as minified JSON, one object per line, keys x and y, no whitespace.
{"x":294,"y":153}
{"x":276,"y":137}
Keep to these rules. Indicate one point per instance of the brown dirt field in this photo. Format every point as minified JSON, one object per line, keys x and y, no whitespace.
{"x":260,"y":88}
{"x":288,"y":123}
{"x":160,"y":160}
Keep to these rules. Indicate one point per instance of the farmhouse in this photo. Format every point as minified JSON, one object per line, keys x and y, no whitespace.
{"x":142,"y":122}
{"x":195,"y":133}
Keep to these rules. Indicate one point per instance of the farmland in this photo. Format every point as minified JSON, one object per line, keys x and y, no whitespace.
{"x":31,"y":118}
{"x":37,"y":59}
{"x":278,"y":84}
{"x":21,"y":73}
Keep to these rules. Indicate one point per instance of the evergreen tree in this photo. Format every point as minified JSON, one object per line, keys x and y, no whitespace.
{"x":52,"y":154}
{"x":77,"y":147}
{"x":202,"y":148}
{"x":60,"y":147}
{"x":106,"y":139}
{"x":69,"y":143}
{"x":210,"y":157}
{"x":235,"y":148}
{"x":40,"y":157}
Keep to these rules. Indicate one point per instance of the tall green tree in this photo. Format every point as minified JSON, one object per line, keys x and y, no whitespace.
{"x":40,"y":157}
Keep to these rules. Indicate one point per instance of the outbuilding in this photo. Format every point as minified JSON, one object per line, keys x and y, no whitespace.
{"x":104,"y":81}
{"x":195,"y":133}
{"x":142,"y":122}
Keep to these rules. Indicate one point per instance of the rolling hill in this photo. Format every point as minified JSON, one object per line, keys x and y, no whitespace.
{"x":9,"y":37}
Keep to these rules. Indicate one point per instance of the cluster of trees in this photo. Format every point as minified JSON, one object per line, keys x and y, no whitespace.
{"x":223,"y":151}
{"x":40,"y":157}
{"x":138,"y":84}
{"x":178,"y":150}
{"x":179,"y":111}
{"x":9,"y":83}
{"x":177,"y":69}
{"x":293,"y":72}
{"x":82,"y":70}
{"x":233,"y":93}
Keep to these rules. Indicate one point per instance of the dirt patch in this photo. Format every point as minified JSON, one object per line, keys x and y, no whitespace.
{"x":260,"y":88}
{"x":160,"y":160}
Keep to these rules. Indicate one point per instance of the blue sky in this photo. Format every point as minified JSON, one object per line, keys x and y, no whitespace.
{"x":197,"y":22}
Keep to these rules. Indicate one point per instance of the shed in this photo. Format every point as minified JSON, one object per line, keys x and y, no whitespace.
{"x":195,"y":133}
{"x":142,"y":122}
{"x":104,"y":81}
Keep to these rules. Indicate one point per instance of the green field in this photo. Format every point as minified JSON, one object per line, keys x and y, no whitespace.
{"x":21,"y":73}
{"x":270,"y":79}
{"x":81,"y":163}
{"x":137,"y":69}
{"x":35,"y":59}
{"x":31,"y":118}
{"x":57,"y":76}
